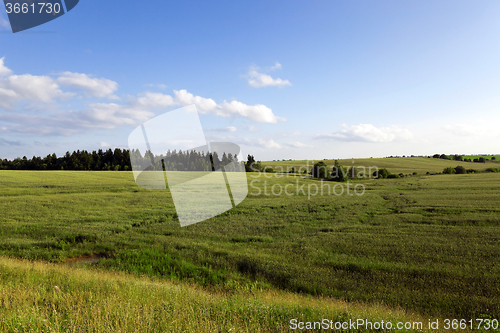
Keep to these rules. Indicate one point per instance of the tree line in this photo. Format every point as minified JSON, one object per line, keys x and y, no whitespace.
{"x":183,"y":161}
{"x":116,"y":159}
{"x":120,"y":160}
{"x":462,"y":158}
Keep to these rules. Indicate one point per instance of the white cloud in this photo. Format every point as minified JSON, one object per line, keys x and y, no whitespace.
{"x":8,"y":97}
{"x":204,"y":105}
{"x":276,"y":66}
{"x":268,"y":144}
{"x":257,"y":79}
{"x":27,"y":88}
{"x":32,"y":88}
{"x":259,"y":113}
{"x":140,"y":109}
{"x":369,"y":133}
{"x":262,"y":143}
{"x":151,"y":100}
{"x":4,"y":71}
{"x":111,"y":115}
{"x":297,"y":144}
{"x":43,"y":94}
{"x":93,"y":87}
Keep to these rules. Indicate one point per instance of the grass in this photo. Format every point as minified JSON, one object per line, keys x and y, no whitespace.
{"x":427,"y":244}
{"x":406,"y":165}
{"x":41,"y":297}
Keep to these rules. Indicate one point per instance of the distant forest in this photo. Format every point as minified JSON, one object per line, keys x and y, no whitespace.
{"x":119,"y":160}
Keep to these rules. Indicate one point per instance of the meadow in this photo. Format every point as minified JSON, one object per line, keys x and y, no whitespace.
{"x":406,"y":165}
{"x":497,"y":157}
{"x":427,"y":245}
{"x":42,"y":297}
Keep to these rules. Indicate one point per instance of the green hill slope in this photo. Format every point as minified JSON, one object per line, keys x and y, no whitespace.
{"x":406,"y":165}
{"x":41,"y":297}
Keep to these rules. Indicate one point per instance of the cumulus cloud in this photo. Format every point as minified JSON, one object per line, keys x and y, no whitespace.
{"x":204,"y":105}
{"x":8,"y":97}
{"x":36,"y":88}
{"x":149,"y":100}
{"x":29,"y":88}
{"x":369,"y":133}
{"x":258,"y":113}
{"x":45,"y":89}
{"x":92,"y":87}
{"x":4,"y":71}
{"x":257,"y":78}
{"x":111,"y":115}
{"x":141,"y":109}
{"x":44,"y":94}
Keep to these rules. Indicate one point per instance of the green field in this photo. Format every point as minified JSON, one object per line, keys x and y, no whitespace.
{"x":406,"y":165}
{"x":40,"y":297}
{"x":427,"y":244}
{"x":497,"y":157}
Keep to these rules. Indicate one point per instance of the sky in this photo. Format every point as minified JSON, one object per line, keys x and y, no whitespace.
{"x":282,"y":79}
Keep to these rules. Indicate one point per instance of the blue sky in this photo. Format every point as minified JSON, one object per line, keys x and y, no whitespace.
{"x":283,"y":79}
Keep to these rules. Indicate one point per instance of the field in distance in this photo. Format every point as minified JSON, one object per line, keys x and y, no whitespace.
{"x":406,"y":165}
{"x":428,"y":244}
